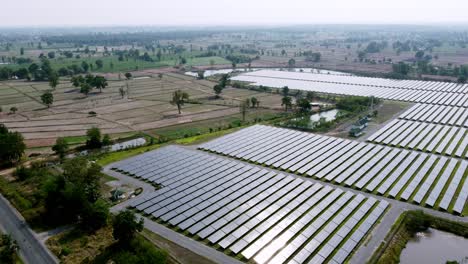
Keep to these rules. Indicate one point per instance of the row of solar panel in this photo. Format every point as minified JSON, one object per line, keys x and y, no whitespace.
{"x":447,"y":115}
{"x":418,"y":96}
{"x":388,"y":171}
{"x":263,"y":215}
{"x":368,"y":81}
{"x":434,"y":138}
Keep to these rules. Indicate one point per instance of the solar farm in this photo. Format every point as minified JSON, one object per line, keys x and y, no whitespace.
{"x":252,"y":212}
{"x":405,"y":175}
{"x":265,"y":194}
{"x":440,"y":93}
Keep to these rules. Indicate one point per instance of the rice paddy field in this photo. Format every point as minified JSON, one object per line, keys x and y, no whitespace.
{"x":146,"y":106}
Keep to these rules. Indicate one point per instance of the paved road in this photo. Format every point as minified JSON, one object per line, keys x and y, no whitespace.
{"x":32,"y":251}
{"x":190,"y":244}
{"x":124,"y":179}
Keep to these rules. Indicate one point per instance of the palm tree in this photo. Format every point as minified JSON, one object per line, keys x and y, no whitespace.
{"x":179,"y":98}
{"x":286,"y":102}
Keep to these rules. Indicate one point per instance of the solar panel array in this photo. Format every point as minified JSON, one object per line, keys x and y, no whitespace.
{"x":369,"y":81}
{"x":446,"y":115}
{"x":440,"y":93}
{"x":398,"y":173}
{"x":262,"y":215}
{"x":422,"y":136}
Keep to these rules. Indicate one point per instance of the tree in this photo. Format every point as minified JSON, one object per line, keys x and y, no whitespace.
{"x":401,"y":68}
{"x":361,"y":55}
{"x":13,"y":109}
{"x":99,"y":64}
{"x":70,"y":196}
{"x":77,"y":81}
{"x":85,"y":66}
{"x":286,"y":101}
{"x":298,"y":94}
{"x":61,"y":147}
{"x":254,"y":102}
{"x":84,"y":175}
{"x":106,"y":140}
{"x":224,"y":81}
{"x":128,"y":75}
{"x":85,"y":88}
{"x":9,"y":247}
{"x":22,"y":51}
{"x":217,"y":89}
{"x":125,"y":226}
{"x":53,"y":80}
{"x":122,"y":92}
{"x":303,"y":105}
{"x":51,"y":55}
{"x":100,"y":82}
{"x":94,"y":138}
{"x":33,"y":68}
{"x":158,"y":55}
{"x":11,"y":145}
{"x":310,"y":95}
{"x":47,"y":98}
{"x":291,"y":63}
{"x":179,"y":98}
{"x":201,"y":75}
{"x":285,"y":91}
{"x":94,"y":215}
{"x":419,"y":54}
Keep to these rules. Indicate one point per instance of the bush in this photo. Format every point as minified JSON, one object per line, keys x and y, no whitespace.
{"x":22,"y":173}
{"x":65,"y":251}
{"x":417,"y":221}
{"x":94,"y":138}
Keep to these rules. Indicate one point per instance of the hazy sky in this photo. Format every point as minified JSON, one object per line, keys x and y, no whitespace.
{"x":230,"y":12}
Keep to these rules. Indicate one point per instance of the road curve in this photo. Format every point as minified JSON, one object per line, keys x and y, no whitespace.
{"x":32,"y":251}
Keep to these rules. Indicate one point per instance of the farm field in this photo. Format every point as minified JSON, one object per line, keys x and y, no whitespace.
{"x":146,"y":106}
{"x":251,"y":213}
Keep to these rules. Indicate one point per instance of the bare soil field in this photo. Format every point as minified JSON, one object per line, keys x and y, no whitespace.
{"x":146,"y":106}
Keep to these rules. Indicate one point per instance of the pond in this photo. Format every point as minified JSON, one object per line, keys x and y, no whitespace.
{"x":435,"y":246}
{"x":311,"y":121}
{"x":128,"y":144}
{"x":224,"y":71}
{"x":329,"y":115}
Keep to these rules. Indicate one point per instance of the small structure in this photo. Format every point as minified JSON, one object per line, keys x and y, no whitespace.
{"x":357,"y":129}
{"x":117,"y":195}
